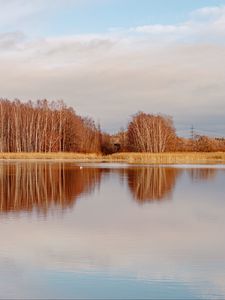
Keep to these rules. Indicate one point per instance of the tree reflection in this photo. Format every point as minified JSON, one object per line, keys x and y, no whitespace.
{"x":202,"y":174}
{"x":39,"y":186}
{"x":28,"y":186}
{"x":151,"y":184}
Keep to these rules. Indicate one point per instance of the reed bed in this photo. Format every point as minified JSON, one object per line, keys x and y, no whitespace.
{"x":128,"y":157}
{"x":170,"y":158}
{"x":51,"y":156}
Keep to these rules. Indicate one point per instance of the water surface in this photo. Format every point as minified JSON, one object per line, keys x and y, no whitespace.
{"x":111,"y":231}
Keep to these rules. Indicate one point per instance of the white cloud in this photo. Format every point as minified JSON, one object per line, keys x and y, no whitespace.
{"x":16,"y":10}
{"x":158,"y":29}
{"x":23,"y":14}
{"x":203,"y":25}
{"x":210,"y":11}
{"x":11,"y":40}
{"x":157,"y":68}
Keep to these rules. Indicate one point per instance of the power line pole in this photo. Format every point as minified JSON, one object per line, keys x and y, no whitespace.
{"x":192,"y":132}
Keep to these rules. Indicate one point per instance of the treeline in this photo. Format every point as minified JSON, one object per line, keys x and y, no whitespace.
{"x":45,"y":126}
{"x":156,"y":134}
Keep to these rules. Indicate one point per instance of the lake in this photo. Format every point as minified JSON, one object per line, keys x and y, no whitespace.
{"x":111,"y":231}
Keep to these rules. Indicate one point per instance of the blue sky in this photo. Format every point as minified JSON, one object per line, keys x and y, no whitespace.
{"x":111,"y":58}
{"x":99,"y":16}
{"x":63,"y":17}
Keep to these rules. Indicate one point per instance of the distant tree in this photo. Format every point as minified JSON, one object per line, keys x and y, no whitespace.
{"x":205,"y":144}
{"x":150,"y":133}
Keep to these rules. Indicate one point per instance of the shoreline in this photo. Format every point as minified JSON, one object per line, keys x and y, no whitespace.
{"x":170,"y":158}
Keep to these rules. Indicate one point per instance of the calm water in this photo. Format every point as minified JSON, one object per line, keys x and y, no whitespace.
{"x":111,"y":231}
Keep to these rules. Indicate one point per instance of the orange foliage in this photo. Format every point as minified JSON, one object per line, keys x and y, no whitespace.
{"x":44,"y":126}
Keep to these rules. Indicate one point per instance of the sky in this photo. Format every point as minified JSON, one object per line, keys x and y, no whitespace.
{"x":109,"y":59}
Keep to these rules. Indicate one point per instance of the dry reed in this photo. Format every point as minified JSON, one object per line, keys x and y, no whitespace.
{"x":131,"y":158}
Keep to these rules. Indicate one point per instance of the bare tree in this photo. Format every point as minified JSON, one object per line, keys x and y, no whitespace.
{"x":150,"y":133}
{"x":44,"y":126}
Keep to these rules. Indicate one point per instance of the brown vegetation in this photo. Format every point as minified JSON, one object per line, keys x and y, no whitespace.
{"x":169,"y":158}
{"x":150,"y":133}
{"x":45,"y":127}
{"x":125,"y":157}
{"x":51,"y":127}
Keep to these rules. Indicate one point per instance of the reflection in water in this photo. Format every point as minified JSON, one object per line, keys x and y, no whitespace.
{"x":28,"y":186}
{"x":154,"y":183}
{"x":197,"y":174}
{"x":25,"y":186}
{"x":108,"y":246}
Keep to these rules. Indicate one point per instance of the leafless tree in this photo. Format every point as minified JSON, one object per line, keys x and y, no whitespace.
{"x":44,"y":126}
{"x":150,"y":133}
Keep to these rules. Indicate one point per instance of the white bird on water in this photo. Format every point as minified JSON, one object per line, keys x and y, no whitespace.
{"x":81,"y":168}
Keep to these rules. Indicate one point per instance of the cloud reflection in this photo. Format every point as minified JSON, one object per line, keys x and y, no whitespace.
{"x":109,"y":234}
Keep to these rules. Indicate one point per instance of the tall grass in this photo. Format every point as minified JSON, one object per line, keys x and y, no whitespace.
{"x":51,"y":155}
{"x":131,"y":158}
{"x":170,"y":158}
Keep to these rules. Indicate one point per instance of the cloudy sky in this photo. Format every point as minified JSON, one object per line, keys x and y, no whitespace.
{"x":111,"y":58}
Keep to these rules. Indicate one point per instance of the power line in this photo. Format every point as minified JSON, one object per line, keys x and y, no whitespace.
{"x":193,"y":132}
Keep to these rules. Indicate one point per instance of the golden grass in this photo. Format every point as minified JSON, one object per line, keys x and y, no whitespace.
{"x":171,"y":158}
{"x":51,"y":156}
{"x":131,"y":158}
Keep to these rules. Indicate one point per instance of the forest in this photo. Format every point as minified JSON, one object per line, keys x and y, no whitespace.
{"x":51,"y":126}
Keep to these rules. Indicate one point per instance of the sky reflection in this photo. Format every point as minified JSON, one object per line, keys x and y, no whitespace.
{"x":173,"y":250}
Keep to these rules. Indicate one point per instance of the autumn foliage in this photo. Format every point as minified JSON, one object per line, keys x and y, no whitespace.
{"x":150,"y":133}
{"x":46,"y":127}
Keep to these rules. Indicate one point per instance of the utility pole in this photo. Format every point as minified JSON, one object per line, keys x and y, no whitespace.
{"x":192,"y":132}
